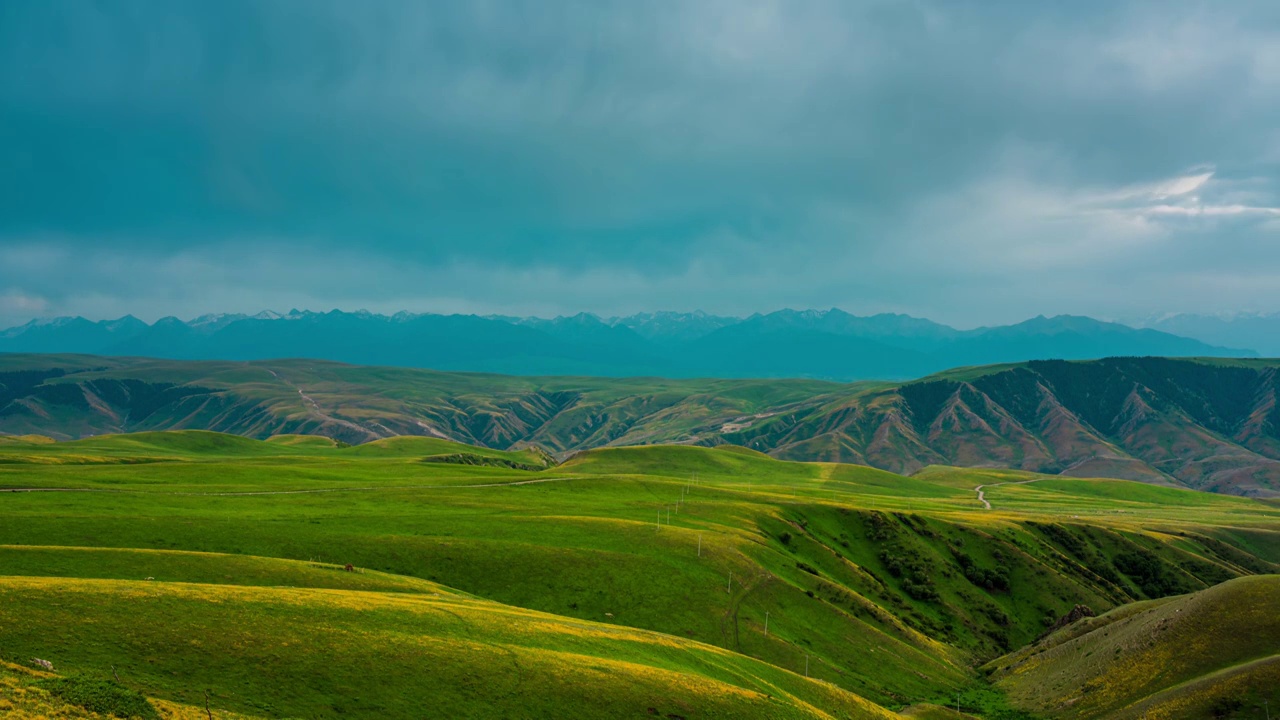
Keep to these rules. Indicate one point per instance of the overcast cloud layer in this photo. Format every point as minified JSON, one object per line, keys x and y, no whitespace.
{"x":972,"y":162}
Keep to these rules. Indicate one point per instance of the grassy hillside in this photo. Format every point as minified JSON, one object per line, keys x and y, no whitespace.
{"x":1213,"y":653}
{"x":328,"y":653}
{"x":885,"y":587}
{"x":30,"y":693}
{"x":1206,"y":424}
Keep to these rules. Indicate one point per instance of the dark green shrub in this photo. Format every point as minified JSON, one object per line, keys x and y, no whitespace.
{"x":100,"y":696}
{"x":1225,"y":707}
{"x":1149,"y":573}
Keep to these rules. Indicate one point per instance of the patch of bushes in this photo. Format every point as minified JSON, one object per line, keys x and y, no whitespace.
{"x":1225,"y":707}
{"x":1063,"y":538}
{"x":921,"y":590}
{"x":880,"y":527}
{"x":482,"y":460}
{"x":1149,"y":573}
{"x":914,"y":573}
{"x":996,"y":615}
{"x":100,"y":696}
{"x":997,"y":579}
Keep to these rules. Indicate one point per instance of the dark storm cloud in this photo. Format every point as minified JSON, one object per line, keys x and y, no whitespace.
{"x":971,"y":161}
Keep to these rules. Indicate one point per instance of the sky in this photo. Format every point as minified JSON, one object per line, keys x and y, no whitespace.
{"x":970,"y":162}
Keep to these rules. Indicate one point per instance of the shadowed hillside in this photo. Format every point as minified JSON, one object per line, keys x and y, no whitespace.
{"x":1213,"y":653}
{"x":1207,"y":425}
{"x":1204,"y":424}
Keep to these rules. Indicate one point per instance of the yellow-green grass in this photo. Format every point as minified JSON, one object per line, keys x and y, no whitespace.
{"x":1237,"y":691}
{"x":582,"y":546}
{"x":327,"y":653}
{"x":1174,"y":657}
{"x":200,"y":445}
{"x":22,"y":698}
{"x":617,"y":532}
{"x":1019,"y":494}
{"x":26,"y":440}
{"x":162,"y":566}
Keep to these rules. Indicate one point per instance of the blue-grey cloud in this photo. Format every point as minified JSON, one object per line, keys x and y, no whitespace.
{"x":970,"y":161}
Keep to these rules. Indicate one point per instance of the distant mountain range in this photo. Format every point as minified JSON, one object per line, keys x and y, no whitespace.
{"x":1259,"y":331}
{"x":828,"y":344}
{"x":1203,"y":424}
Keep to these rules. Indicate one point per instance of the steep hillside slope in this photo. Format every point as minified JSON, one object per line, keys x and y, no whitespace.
{"x":1213,"y":653}
{"x":73,"y":396}
{"x":1207,"y":425}
{"x":1203,"y":424}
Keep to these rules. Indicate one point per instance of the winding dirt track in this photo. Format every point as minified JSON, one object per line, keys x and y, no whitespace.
{"x":982,"y":496}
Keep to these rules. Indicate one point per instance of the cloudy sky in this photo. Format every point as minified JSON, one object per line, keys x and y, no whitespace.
{"x":971,"y":162}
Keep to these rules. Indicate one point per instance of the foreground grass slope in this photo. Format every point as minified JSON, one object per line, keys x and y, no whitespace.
{"x":326,"y":653}
{"x":1213,"y":653}
{"x":884,"y":587}
{"x":31,"y":694}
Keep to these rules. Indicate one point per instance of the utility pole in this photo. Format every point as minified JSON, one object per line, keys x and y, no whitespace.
{"x":730,"y":583}
{"x":699,"y":544}
{"x":766,"y":623}
{"x":806,"y":666}
{"x":659,"y":519}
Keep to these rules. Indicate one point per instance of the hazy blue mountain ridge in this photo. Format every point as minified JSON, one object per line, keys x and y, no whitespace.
{"x":829,"y":344}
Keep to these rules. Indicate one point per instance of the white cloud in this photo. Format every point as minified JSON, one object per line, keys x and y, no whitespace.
{"x":1194,"y":195}
{"x":1202,"y":210}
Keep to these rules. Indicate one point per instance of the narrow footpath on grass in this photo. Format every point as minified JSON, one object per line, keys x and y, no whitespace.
{"x":982,"y":496}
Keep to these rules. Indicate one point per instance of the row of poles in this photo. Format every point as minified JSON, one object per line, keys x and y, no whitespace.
{"x":684,"y":492}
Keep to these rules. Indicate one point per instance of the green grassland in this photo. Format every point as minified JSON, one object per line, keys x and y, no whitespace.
{"x":499,"y":584}
{"x":1213,"y":653}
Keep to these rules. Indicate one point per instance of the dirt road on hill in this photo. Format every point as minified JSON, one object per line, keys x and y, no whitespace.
{"x":982,"y":496}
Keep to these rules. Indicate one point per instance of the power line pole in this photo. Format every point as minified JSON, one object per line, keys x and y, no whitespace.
{"x":766,"y":623}
{"x":699,"y":544}
{"x":806,"y":666}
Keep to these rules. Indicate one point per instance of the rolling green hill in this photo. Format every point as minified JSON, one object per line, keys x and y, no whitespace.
{"x":1209,"y":424}
{"x":1212,"y":653}
{"x":622,"y":580}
